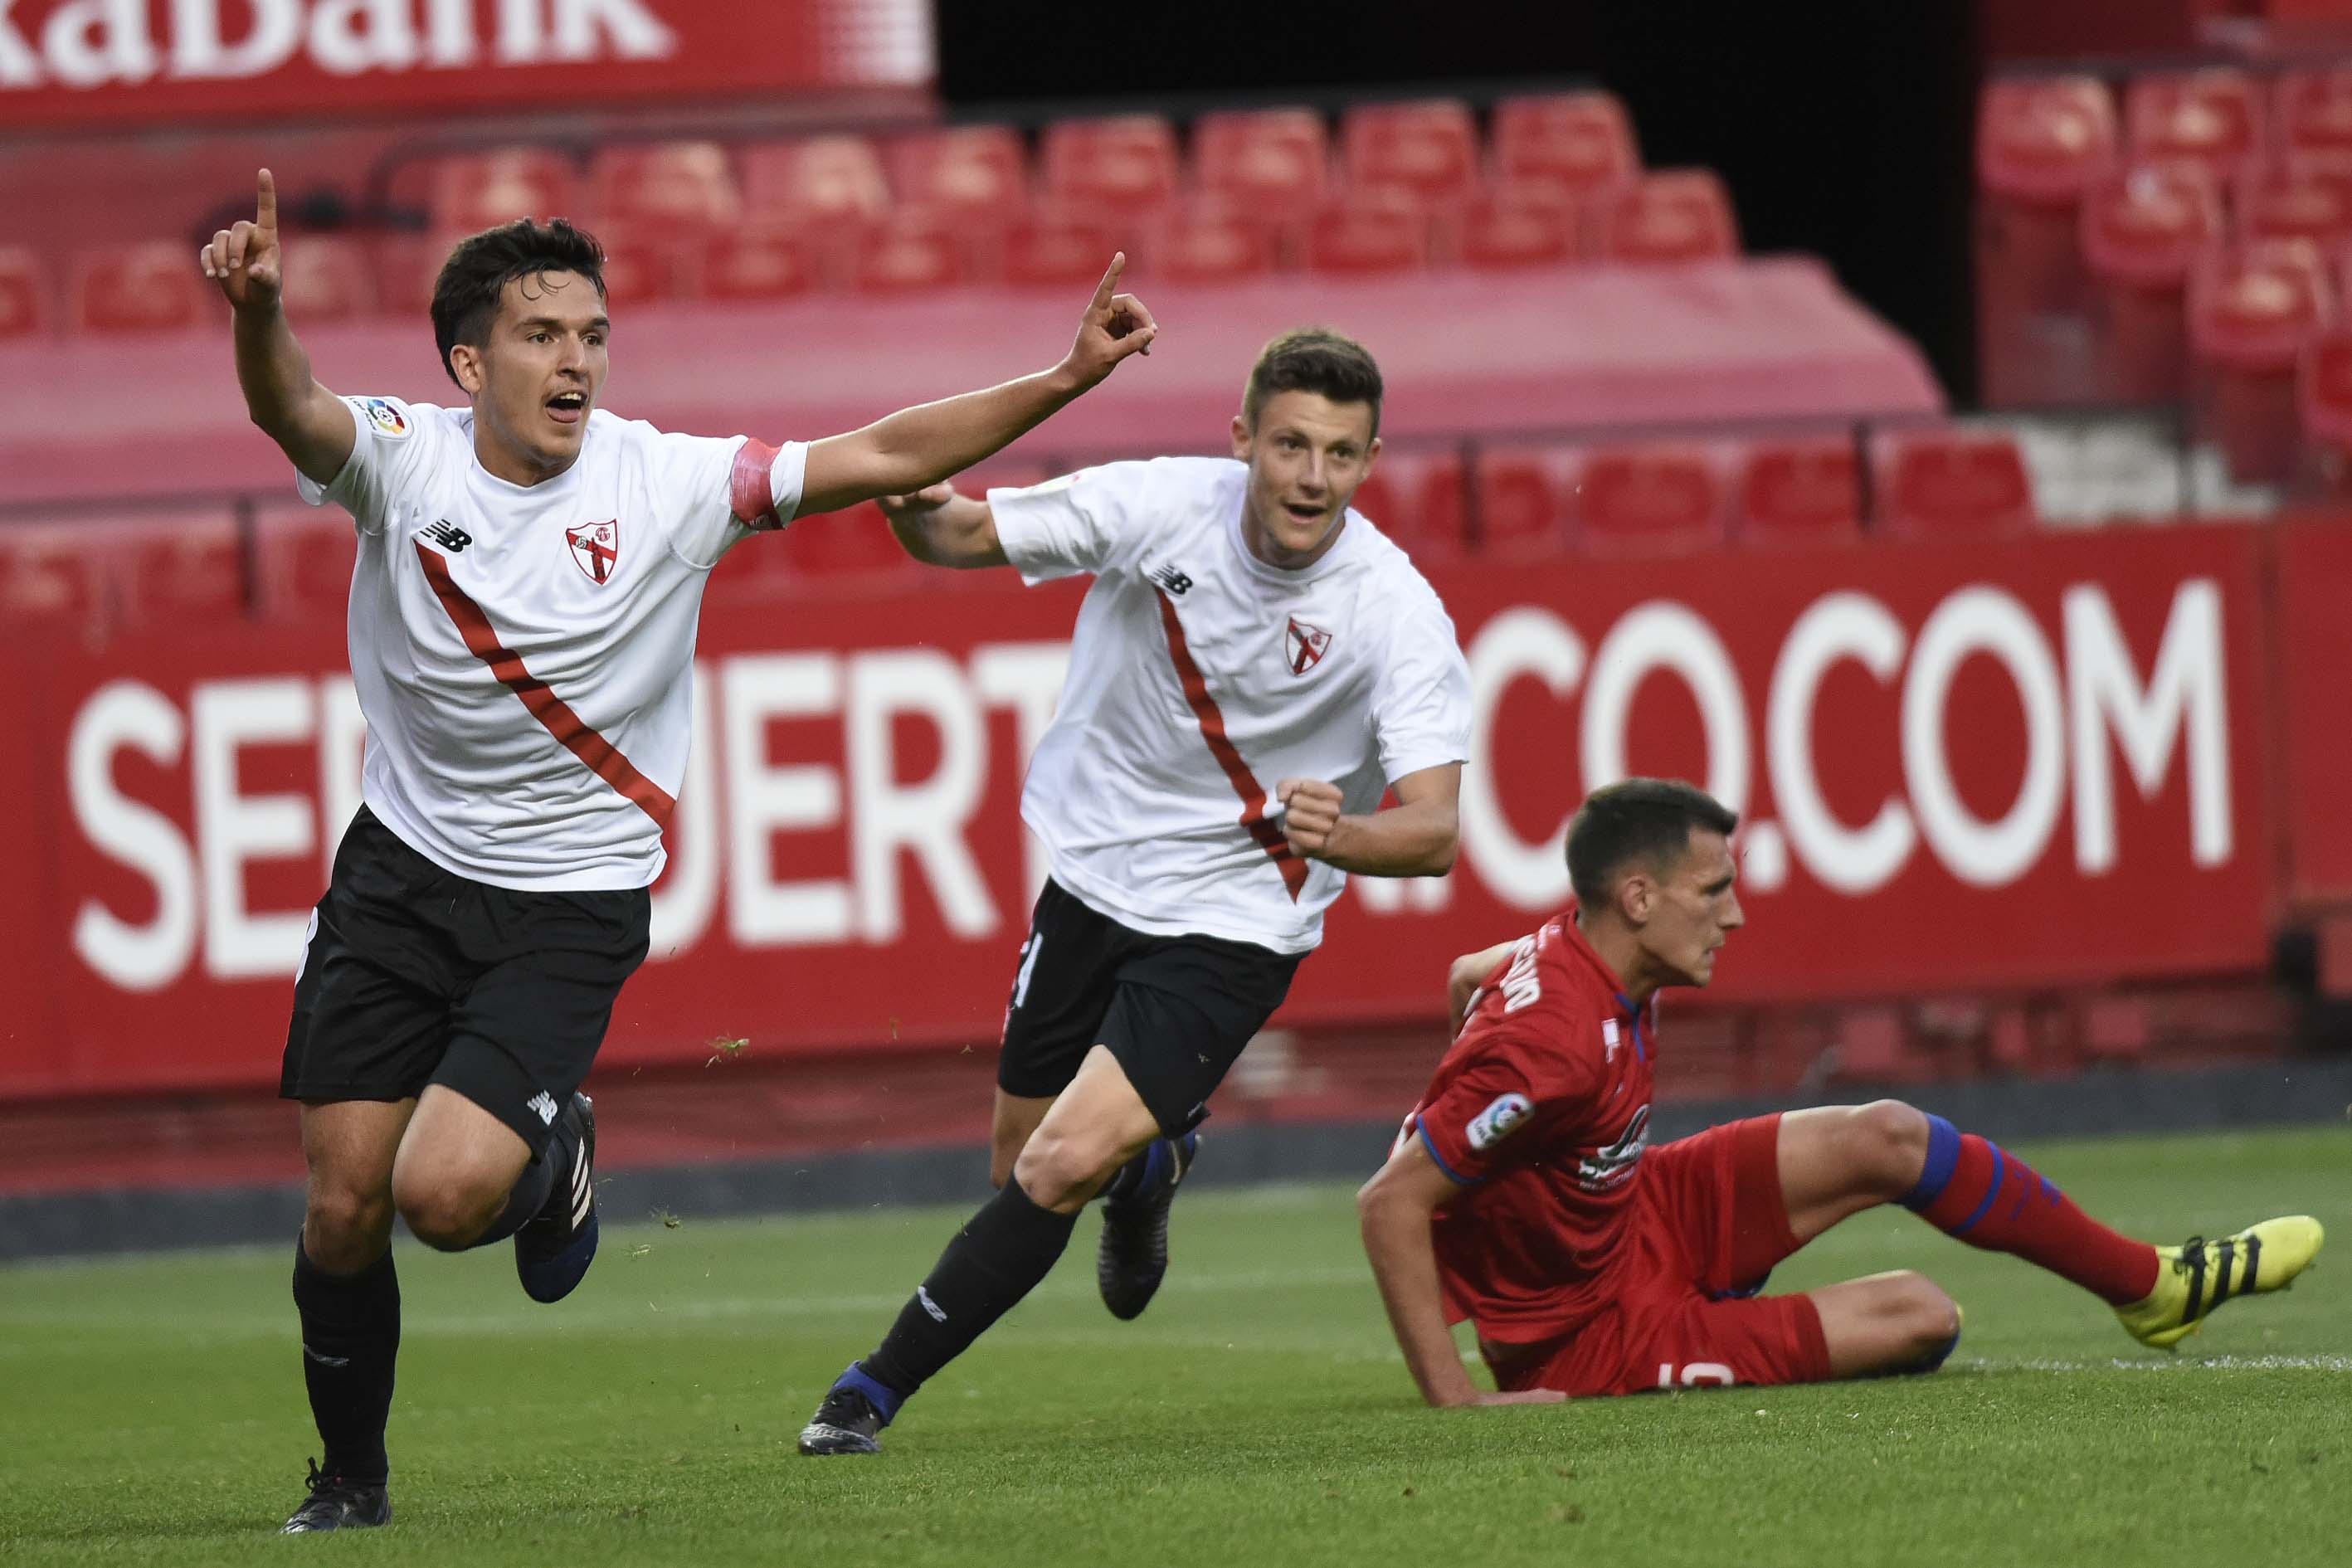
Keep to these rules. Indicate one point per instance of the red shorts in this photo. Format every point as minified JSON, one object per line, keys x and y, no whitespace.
{"x":1708,"y":1221}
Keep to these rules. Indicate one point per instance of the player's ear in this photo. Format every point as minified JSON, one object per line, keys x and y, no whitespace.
{"x":466,"y":360}
{"x":1634,"y":896}
{"x":1241,"y":439}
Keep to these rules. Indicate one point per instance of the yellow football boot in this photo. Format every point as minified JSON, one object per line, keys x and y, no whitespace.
{"x":2200,"y":1275}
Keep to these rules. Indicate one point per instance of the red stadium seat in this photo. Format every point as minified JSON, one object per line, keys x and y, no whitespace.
{"x":1951,"y":484}
{"x":1575,"y":141}
{"x":52,"y":575}
{"x":1058,"y":247}
{"x":818,"y":179}
{"x":2042,"y":140}
{"x":1521,"y":501}
{"x":2209,"y":117}
{"x":184,"y":569}
{"x":476,"y":190}
{"x":2143,"y":228}
{"x":1654,"y":498}
{"x":2298,"y":199}
{"x":1679,"y":214}
{"x":2251,"y":309}
{"x":154,"y":287}
{"x":977,"y":169}
{"x":24,"y":293}
{"x":1416,"y":498}
{"x":2313,"y":110}
{"x":1123,"y":164}
{"x":329,"y":278}
{"x":305,"y":565}
{"x":643,"y":263}
{"x":1801,"y":492}
{"x":762,"y":262}
{"x":1370,"y":232}
{"x":1430,"y":147}
{"x":1278,"y":157}
{"x":677,"y":184}
{"x":1524,"y":223}
{"x":909,"y":252}
{"x":1212,"y":239}
{"x":2324,"y":387}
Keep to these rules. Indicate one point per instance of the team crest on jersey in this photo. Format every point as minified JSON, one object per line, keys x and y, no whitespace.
{"x":596,"y":549}
{"x":1612,"y":1164}
{"x":385,"y":416}
{"x":1306,"y":645}
{"x":1498,"y":1122}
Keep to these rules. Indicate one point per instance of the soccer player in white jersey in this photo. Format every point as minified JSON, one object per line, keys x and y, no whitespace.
{"x":522,"y":620}
{"x":1253,"y":666}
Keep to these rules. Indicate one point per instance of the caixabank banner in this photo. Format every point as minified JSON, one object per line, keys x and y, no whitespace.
{"x":129,"y":62}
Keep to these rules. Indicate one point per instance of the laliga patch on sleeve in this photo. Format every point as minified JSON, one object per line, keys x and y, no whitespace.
{"x":1498,"y":1122}
{"x":385,"y":416}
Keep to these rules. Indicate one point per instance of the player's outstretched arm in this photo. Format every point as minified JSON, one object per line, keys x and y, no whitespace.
{"x":1394,"y":1209}
{"x":1416,"y":838}
{"x":918,"y":446}
{"x":940,"y":528}
{"x":309,"y":424}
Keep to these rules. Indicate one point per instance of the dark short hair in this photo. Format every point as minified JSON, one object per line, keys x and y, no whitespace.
{"x":465,"y":296}
{"x":1318,"y":360}
{"x":1637,"y":819}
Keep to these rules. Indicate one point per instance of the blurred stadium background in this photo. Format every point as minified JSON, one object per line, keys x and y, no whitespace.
{"x":1926,"y":424}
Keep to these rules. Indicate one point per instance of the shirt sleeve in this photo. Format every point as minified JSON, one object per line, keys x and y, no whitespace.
{"x":1481,"y":1115}
{"x":1079,"y":524}
{"x":723,"y":490}
{"x":1420,"y":700}
{"x":391,"y":446}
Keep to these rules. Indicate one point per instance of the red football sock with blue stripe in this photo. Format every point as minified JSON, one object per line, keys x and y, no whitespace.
{"x":1976,"y":1191}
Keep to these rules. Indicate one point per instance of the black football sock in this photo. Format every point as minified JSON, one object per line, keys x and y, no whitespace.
{"x":997,"y":1258}
{"x":351,"y":1336}
{"x":530,"y":1193}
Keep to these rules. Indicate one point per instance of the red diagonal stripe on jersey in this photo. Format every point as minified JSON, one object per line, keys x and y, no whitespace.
{"x":1220,"y":746}
{"x":568,"y":729}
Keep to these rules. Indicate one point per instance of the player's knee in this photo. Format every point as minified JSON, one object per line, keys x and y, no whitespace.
{"x":1061,"y":1170}
{"x":344,"y":1228}
{"x":441,"y":1215}
{"x":1887,"y":1143}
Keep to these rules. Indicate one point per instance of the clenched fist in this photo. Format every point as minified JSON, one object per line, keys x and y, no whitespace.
{"x":1310,"y":812}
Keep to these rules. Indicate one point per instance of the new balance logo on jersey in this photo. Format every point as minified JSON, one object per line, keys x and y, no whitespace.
{"x":1172,"y":578}
{"x":447,"y":535}
{"x":1306,"y":645}
{"x":1605,"y":1167}
{"x":545,"y":1104}
{"x":595,"y":549}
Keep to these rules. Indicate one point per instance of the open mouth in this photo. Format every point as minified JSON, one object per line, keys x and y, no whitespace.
{"x":568,"y":407}
{"x":1303,"y":511}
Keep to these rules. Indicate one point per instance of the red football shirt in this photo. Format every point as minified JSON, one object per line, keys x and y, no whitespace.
{"x":1542,"y":1108}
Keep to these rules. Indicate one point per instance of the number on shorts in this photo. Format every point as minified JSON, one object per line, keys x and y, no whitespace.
{"x":1028,"y":966}
{"x":1696,"y":1374}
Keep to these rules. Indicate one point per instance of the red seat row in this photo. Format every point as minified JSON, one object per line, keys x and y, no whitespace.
{"x":1667,"y":218}
{"x":2192,"y":258}
{"x":1653,"y":497}
{"x":1121,"y":165}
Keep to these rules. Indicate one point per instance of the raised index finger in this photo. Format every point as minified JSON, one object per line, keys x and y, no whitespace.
{"x":265,"y":203}
{"x":1109,"y":280}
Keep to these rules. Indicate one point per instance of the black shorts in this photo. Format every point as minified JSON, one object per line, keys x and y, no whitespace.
{"x":1175,"y":1010}
{"x":415,"y":976}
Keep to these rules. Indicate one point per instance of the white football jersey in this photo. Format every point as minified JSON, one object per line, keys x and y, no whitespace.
{"x":524,"y":655}
{"x":1201,"y":677}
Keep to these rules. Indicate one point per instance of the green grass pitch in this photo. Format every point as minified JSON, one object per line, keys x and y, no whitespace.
{"x":150,"y":1409}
